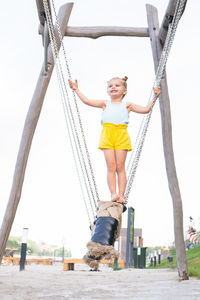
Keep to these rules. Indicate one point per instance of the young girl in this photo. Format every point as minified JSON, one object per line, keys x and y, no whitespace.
{"x":114,"y":140}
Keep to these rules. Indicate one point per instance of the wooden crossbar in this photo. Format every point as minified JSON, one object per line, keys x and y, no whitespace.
{"x":95,"y":32}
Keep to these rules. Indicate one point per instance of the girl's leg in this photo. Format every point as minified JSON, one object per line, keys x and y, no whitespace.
{"x":120,"y":165}
{"x":111,"y":169}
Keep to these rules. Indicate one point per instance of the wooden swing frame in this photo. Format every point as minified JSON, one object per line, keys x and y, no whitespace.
{"x":157,"y":37}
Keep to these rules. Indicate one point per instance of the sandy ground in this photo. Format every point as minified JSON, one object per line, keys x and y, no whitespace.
{"x":52,"y":283}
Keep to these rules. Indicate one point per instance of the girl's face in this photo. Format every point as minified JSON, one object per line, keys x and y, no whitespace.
{"x":116,"y":88}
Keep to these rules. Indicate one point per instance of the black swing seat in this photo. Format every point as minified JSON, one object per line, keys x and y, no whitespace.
{"x":105,"y":231}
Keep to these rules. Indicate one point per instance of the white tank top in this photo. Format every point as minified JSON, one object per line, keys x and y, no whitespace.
{"x":115,"y":113}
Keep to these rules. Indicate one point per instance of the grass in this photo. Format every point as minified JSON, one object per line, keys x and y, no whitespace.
{"x":193,"y":258}
{"x":116,"y":268}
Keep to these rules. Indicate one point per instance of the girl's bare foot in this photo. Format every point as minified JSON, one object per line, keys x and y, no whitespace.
{"x":121,"y":200}
{"x":114,"y":197}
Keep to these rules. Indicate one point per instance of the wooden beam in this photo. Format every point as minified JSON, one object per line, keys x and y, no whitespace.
{"x":27,"y":135}
{"x":152,"y":18}
{"x":165,"y":23}
{"x":98,"y":31}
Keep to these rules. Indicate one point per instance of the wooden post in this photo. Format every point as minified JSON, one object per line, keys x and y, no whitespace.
{"x":152,"y":18}
{"x":27,"y":135}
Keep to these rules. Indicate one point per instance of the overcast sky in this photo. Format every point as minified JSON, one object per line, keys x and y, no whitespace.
{"x":51,"y":204}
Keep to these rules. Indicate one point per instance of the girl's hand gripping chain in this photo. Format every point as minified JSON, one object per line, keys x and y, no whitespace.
{"x":156,"y":91}
{"x":73,"y":85}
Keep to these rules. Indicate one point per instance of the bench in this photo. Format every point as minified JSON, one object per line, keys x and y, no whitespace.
{"x":68,"y":264}
{"x":15,"y":260}
{"x":11,"y":260}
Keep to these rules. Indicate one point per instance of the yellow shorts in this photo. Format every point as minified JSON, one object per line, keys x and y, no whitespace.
{"x":115,"y":137}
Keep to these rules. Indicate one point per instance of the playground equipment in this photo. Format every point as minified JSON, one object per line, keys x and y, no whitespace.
{"x":157,"y":37}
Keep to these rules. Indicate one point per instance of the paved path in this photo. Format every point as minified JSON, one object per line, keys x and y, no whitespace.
{"x":52,"y":283}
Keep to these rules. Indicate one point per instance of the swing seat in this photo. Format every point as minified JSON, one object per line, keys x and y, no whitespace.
{"x":106,"y":230}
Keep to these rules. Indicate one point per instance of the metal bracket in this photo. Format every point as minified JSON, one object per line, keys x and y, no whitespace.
{"x":46,"y":44}
{"x":170,"y":19}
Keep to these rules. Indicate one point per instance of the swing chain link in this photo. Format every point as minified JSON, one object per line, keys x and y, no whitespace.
{"x":76,"y":105}
{"x":60,"y":79}
{"x":159,"y":76}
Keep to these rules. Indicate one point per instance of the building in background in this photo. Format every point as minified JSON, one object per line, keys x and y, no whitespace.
{"x":121,"y":241}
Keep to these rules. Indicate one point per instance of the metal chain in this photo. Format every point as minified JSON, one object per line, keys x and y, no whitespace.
{"x":72,"y":116}
{"x":159,"y":75}
{"x":63,"y":92}
{"x":76,"y":105}
{"x":73,"y":152}
{"x":169,"y":40}
{"x":55,"y":54}
{"x":76,"y":132}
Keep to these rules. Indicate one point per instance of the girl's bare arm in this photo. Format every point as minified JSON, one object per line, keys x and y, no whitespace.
{"x":84,"y":99}
{"x":143,"y":109}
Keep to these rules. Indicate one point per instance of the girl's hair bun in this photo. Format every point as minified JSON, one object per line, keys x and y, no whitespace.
{"x":125,"y":78}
